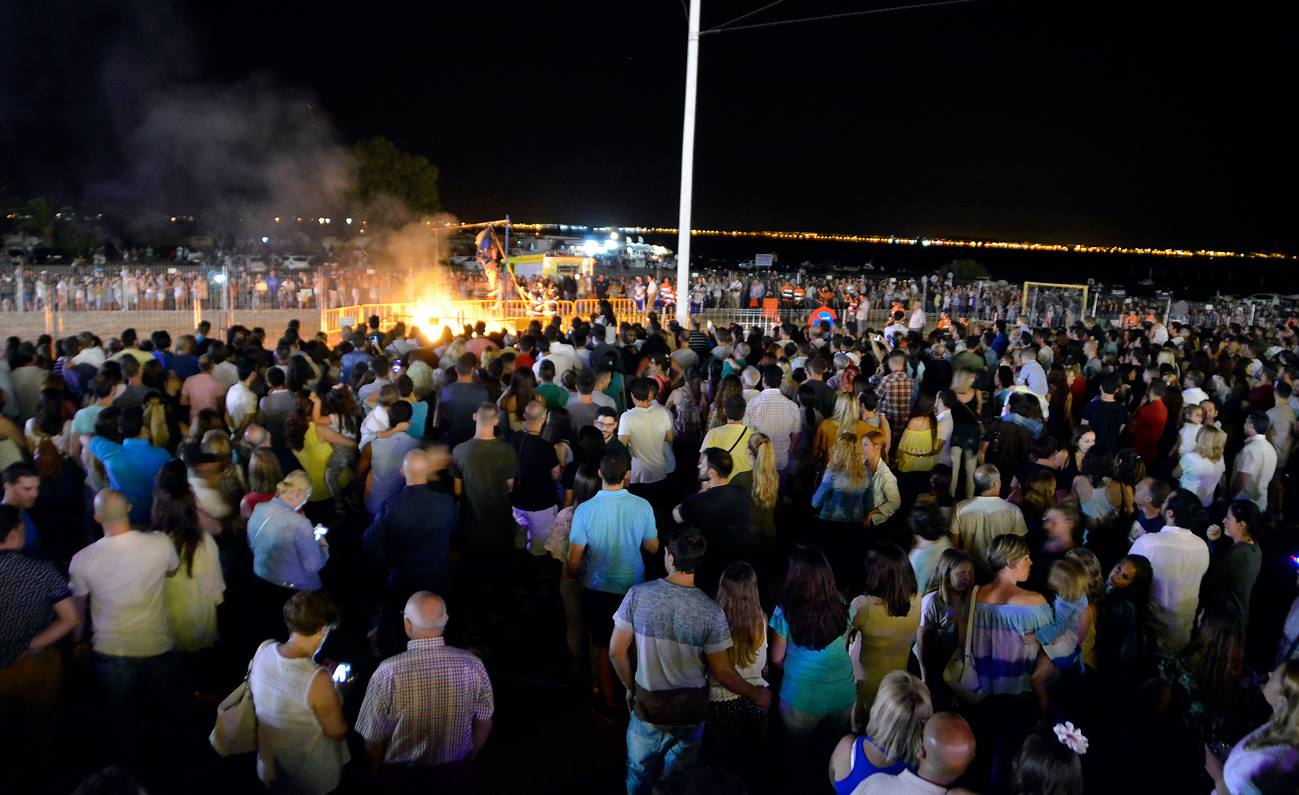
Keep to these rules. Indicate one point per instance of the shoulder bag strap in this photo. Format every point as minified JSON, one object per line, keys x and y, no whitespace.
{"x":743,"y":433}
{"x":969,"y":624}
{"x":269,"y":513}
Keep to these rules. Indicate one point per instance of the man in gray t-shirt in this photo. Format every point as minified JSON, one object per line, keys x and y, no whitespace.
{"x":681,"y":636}
{"x":384,"y":455}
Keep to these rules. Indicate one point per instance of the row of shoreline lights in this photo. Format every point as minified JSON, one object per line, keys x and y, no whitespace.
{"x":593,"y":247}
{"x":1079,"y":248}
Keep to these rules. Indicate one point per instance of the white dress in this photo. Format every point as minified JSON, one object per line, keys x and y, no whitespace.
{"x":294,"y":755}
{"x":191,"y":598}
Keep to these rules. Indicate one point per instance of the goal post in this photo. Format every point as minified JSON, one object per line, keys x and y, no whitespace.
{"x":1053,"y":303}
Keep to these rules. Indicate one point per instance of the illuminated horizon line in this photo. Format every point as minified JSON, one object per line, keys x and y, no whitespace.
{"x":904,"y":240}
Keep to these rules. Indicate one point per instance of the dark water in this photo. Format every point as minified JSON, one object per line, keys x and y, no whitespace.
{"x":1191,"y":277}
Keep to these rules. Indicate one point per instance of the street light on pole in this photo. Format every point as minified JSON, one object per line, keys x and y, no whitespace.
{"x":687,"y":167}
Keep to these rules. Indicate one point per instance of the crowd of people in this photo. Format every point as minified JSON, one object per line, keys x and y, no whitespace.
{"x":989,"y":557}
{"x":855,"y":300}
{"x":159,"y":289}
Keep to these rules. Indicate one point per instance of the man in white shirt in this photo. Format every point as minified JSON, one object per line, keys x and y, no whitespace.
{"x":1192,"y":394}
{"x":917,"y":321}
{"x":1255,"y":463}
{"x":1282,"y":420}
{"x":980,"y":519}
{"x":122,"y":576}
{"x":241,"y":400}
{"x":223,"y":369}
{"x":1179,"y":560}
{"x":563,"y":355}
{"x":646,"y":430}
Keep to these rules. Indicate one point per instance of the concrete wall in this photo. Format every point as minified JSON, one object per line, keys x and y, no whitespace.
{"x":30,"y":325}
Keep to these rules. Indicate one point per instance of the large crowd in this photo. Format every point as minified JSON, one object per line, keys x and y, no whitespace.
{"x":855,"y":300}
{"x":992,"y":555}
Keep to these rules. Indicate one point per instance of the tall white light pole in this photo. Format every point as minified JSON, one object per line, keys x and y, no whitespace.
{"x":687,"y":167}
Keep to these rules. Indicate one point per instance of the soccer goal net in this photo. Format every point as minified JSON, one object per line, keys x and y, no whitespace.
{"x":1053,"y":305}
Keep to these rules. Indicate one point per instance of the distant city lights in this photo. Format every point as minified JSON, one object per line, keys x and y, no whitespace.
{"x":1078,"y":248}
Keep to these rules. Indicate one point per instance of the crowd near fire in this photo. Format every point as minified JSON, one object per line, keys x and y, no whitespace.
{"x":893,"y":532}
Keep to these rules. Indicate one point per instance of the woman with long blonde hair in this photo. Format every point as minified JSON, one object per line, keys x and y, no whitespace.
{"x":845,"y":419}
{"x":1201,"y":470}
{"x":766,"y":484}
{"x":736,"y":725}
{"x":1267,"y":760}
{"x":840,"y":504}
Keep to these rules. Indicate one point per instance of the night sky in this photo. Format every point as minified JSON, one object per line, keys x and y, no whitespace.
{"x":1077,"y":122}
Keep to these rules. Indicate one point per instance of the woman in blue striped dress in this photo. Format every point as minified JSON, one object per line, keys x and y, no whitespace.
{"x":1005,"y":648}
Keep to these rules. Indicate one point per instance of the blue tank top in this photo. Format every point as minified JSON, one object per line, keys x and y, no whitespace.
{"x":862,"y":767}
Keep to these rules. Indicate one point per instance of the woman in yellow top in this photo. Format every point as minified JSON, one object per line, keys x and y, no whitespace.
{"x":312,"y":445}
{"x":885,"y":619}
{"x":919,"y":446}
{"x":846,"y":419}
{"x":917,"y":450}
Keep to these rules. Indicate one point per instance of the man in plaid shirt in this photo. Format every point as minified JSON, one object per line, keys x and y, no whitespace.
{"x":428,"y":710}
{"x":894,"y":391}
{"x":775,"y":415}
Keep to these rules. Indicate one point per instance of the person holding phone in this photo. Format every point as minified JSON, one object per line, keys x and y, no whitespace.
{"x":301,"y":746}
{"x":287,"y":552}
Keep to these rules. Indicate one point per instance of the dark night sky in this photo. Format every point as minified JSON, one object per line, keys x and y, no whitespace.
{"x":1077,"y":122}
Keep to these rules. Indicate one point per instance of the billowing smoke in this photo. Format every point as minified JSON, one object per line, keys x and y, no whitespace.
{"x":421,"y":247}
{"x":113,"y":90}
{"x":236,"y":154}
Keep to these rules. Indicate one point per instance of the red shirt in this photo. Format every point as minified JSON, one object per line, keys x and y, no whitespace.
{"x":524,"y":360}
{"x":251,"y":500}
{"x":1147,"y":426}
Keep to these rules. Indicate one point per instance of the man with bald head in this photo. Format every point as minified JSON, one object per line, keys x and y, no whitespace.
{"x":946,"y":751}
{"x":409,"y":542}
{"x":427,"y":711}
{"x":122,"y":575}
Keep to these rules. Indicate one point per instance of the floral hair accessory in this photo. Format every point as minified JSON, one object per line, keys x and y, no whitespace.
{"x":1071,"y":736}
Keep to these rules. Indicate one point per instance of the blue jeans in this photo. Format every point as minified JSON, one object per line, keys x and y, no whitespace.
{"x":143,"y":696}
{"x":652,"y":750}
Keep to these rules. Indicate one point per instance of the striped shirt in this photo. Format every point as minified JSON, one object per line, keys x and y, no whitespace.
{"x":423,"y":703}
{"x":1002,"y":659}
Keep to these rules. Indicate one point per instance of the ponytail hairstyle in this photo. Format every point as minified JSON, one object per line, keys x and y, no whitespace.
{"x":155,"y":417}
{"x":766,"y":482}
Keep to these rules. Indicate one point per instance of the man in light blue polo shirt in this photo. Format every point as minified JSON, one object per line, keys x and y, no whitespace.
{"x":133,"y":465}
{"x":613,"y":527}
